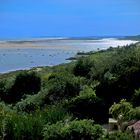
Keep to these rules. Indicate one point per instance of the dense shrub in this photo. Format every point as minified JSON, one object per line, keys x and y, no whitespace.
{"x":55,"y":113}
{"x":88,"y":105}
{"x":73,"y":130}
{"x":61,"y":86}
{"x":115,"y":88}
{"x":25,"y":83}
{"x":30,"y":104}
{"x":119,"y":75}
{"x":83,"y":66}
{"x":120,"y":136}
{"x":21,"y":126}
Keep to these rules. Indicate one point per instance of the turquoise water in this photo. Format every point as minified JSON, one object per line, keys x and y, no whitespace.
{"x":24,"y":58}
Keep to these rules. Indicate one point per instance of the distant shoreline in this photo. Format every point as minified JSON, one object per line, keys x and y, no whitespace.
{"x":38,"y":43}
{"x":26,"y":45}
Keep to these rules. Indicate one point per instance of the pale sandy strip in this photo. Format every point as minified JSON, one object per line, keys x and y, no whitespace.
{"x":30,"y":45}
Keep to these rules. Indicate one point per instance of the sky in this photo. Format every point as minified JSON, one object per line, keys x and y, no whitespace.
{"x":69,"y":18}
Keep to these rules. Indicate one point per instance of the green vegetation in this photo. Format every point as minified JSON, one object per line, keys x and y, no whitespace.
{"x":120,"y":136}
{"x":121,"y":108}
{"x":72,"y":101}
{"x":73,"y":130}
{"x":14,"y":89}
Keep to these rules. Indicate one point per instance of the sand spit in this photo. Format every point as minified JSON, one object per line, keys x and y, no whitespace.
{"x":28,"y":44}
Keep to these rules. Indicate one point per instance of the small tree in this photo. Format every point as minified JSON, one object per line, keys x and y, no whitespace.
{"x":121,"y":108}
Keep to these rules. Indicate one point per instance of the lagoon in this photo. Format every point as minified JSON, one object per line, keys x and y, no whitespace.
{"x":17,"y":55}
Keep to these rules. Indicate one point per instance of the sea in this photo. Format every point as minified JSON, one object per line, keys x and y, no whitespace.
{"x":59,"y":50}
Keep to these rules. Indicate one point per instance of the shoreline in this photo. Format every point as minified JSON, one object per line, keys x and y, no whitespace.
{"x":31,"y":45}
{"x":42,"y":44}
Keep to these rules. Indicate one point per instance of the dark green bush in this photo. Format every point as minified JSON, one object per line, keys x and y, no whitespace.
{"x":83,"y":67}
{"x":120,"y":136}
{"x":119,"y":74}
{"x":122,"y":87}
{"x":61,"y":86}
{"x":88,"y":105}
{"x":73,"y":130}
{"x":25,"y":83}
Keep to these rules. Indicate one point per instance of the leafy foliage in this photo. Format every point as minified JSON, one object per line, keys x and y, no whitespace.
{"x":122,"y":108}
{"x":74,"y":130}
{"x":55,"y":113}
{"x":88,"y":105}
{"x":82,"y":67}
{"x":58,"y":102}
{"x":30,"y":104}
{"x":120,"y":136}
{"x":24,"y":83}
{"x":61,"y":86}
{"x":134,"y":114}
{"x":21,"y":126}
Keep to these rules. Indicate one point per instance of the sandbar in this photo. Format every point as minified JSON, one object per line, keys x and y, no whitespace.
{"x":22,"y":45}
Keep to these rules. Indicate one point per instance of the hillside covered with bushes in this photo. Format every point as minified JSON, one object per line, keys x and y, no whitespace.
{"x":72,"y":101}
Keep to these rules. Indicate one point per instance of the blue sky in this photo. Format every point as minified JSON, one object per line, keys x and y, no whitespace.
{"x":34,"y":18}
